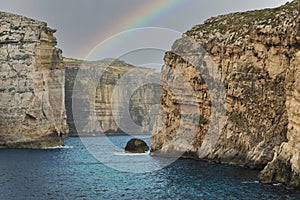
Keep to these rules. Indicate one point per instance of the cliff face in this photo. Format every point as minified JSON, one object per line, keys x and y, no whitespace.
{"x":256,"y":54}
{"x":117,"y":100}
{"x":32,"y":108}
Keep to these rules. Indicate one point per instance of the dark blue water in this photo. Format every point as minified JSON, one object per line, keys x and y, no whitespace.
{"x":73,"y":173}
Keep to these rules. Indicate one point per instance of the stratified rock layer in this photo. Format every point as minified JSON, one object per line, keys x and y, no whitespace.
{"x":257,"y":55}
{"x":32,"y":108}
{"x":112,"y":98}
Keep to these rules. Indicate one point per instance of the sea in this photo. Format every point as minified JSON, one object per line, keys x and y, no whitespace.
{"x":86,"y":168}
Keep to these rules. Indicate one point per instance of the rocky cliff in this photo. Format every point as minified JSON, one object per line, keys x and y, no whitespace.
{"x":256,"y":55}
{"x":118,"y":99}
{"x":32,"y":108}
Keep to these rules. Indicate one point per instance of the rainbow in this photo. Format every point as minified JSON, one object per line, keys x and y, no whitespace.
{"x":141,"y":16}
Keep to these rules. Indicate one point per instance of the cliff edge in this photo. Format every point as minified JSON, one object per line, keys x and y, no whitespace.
{"x":118,"y":89}
{"x":32,"y":108}
{"x":257,"y":55}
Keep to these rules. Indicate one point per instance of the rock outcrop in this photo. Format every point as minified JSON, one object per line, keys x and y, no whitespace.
{"x":32,"y":108}
{"x":118,"y":98}
{"x":136,"y":146}
{"x":256,"y":54}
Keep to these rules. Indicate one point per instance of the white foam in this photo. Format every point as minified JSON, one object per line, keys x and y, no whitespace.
{"x":60,"y":147}
{"x":250,"y":182}
{"x":130,"y":154}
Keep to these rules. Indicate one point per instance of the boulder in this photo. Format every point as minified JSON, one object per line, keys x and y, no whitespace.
{"x":136,"y":146}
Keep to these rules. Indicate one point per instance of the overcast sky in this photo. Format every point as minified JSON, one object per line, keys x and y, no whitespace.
{"x":83,"y":24}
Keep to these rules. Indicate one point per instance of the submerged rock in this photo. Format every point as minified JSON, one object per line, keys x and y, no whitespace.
{"x":136,"y":146}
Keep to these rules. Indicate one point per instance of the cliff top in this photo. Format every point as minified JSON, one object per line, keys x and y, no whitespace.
{"x":111,"y":62}
{"x":5,"y":16}
{"x":16,"y":28}
{"x":229,"y":28}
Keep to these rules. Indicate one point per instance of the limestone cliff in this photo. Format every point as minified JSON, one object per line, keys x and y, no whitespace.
{"x":106,"y":111}
{"x":256,"y":54}
{"x":32,"y":108}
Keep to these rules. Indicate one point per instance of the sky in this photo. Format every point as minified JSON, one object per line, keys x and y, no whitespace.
{"x":83,"y":26}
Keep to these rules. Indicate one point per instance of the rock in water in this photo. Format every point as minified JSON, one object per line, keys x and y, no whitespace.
{"x":258,"y":60}
{"x":136,"y":146}
{"x":32,"y":108}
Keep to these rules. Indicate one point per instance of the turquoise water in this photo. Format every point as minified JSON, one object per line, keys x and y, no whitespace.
{"x":73,"y":173}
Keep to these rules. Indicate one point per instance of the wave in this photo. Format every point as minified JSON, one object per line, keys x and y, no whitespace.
{"x":131,"y":154}
{"x":255,"y":182}
{"x":60,"y":147}
{"x":250,"y":182}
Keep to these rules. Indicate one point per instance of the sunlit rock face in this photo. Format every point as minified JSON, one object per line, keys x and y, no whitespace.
{"x":256,"y":54}
{"x":32,"y":108}
{"x":110,"y":97}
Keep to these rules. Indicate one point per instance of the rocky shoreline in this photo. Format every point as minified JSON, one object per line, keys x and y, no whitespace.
{"x":256,"y":55}
{"x":32,"y":106}
{"x":113,"y":72}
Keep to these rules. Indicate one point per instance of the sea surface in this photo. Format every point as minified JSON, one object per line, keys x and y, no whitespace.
{"x":73,"y":172}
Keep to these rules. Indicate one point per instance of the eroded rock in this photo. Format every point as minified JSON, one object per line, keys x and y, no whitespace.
{"x":136,"y":146}
{"x":32,"y":108}
{"x":256,"y":54}
{"x":119,"y":96}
